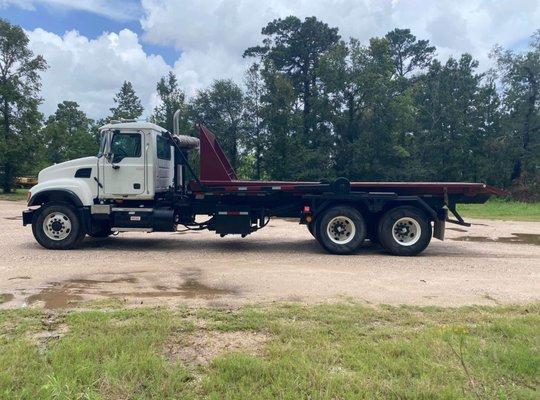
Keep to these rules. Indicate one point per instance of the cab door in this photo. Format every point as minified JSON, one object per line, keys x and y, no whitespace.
{"x":124,"y":169}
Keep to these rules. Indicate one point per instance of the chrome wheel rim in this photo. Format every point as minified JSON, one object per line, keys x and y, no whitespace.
{"x":341,"y":230}
{"x":406,"y":231}
{"x":57,"y":226}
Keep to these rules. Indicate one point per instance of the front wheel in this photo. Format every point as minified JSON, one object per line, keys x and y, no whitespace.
{"x":341,"y":229}
{"x":404,"y":231}
{"x":57,"y":226}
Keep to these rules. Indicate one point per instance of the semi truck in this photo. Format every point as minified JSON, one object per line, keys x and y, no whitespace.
{"x":142,"y":180}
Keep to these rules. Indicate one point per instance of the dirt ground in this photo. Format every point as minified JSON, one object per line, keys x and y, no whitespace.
{"x":492,"y":262}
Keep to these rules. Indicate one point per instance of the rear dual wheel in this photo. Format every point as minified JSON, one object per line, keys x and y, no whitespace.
{"x":340,"y":229}
{"x":404,"y":231}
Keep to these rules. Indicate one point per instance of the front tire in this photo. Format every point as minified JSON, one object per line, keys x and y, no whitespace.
{"x":341,"y":229}
{"x":57,"y":226}
{"x":404,"y":231}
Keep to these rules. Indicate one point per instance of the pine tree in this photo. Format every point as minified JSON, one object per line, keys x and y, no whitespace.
{"x":128,"y":105}
{"x":19,"y":100}
{"x":68,"y":134}
{"x":172,"y":99}
{"x":220,"y":107}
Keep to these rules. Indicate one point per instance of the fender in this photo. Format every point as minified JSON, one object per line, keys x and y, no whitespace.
{"x":39,"y":197}
{"x":80,"y":192}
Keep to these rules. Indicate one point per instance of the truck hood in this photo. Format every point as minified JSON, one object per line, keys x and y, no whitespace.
{"x":67,"y":169}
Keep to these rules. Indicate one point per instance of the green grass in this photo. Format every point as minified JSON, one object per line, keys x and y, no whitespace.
{"x":15,"y":195}
{"x":498,"y":209}
{"x":345,"y":351}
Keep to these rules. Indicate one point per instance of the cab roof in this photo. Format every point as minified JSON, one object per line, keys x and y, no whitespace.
{"x":133,"y":125}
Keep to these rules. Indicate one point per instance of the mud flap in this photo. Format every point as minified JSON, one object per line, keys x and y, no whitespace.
{"x":438,"y":229}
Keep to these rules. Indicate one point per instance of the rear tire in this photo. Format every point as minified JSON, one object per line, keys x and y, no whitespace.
{"x":57,"y":226}
{"x":341,"y":229}
{"x":404,"y":231}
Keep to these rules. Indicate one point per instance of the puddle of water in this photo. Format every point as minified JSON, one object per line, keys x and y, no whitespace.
{"x":190,"y":289}
{"x":19,"y":277}
{"x":62,"y":294}
{"x":5,"y":297}
{"x":54,"y":298}
{"x":193,"y":289}
{"x":86,"y":283}
{"x":519,"y":238}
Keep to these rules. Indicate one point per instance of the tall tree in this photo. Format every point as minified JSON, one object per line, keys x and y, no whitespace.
{"x":128,"y":105}
{"x":281,"y":157}
{"x":456,"y":117}
{"x":19,"y":100}
{"x":256,"y":132}
{"x":221,"y":108}
{"x":408,"y":53}
{"x":172,"y":99}
{"x":68,"y":134}
{"x":294,"y":47}
{"x":520,"y":83}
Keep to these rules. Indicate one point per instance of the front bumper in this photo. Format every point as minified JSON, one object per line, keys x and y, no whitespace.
{"x":27,"y":216}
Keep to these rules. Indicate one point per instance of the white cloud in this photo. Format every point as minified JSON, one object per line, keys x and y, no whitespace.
{"x":92,"y":71}
{"x":212,"y":35}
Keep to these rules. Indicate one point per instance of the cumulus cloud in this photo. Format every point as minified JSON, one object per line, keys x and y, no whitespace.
{"x":217,"y":32}
{"x":210,"y":37}
{"x":92,"y":71}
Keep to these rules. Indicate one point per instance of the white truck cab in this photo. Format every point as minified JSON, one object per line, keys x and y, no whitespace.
{"x":135,"y":164}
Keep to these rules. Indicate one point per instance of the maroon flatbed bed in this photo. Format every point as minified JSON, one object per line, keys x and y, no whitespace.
{"x":218,"y":191}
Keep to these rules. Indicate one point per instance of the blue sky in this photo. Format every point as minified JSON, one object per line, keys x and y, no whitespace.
{"x":92,"y":46}
{"x":59,"y":20}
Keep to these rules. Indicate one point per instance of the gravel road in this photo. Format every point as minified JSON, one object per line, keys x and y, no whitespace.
{"x":493,"y":262}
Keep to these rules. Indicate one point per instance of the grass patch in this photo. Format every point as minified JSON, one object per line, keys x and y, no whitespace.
{"x":499,"y":209}
{"x":343,"y":351}
{"x":15,"y":195}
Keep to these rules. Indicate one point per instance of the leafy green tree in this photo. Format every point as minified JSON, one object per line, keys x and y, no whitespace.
{"x":368,"y":111}
{"x":128,"y":105}
{"x":294,"y":47}
{"x":221,"y":107}
{"x":172,"y":99}
{"x":283,"y":154}
{"x":68,"y":134}
{"x":520,"y":86}
{"x":19,"y":100}
{"x":457,"y":114}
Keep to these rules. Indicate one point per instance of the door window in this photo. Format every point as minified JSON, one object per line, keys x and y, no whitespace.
{"x":125,"y":145}
{"x":163,"y":148}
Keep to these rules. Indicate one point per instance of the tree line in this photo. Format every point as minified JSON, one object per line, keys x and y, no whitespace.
{"x":315,"y":106}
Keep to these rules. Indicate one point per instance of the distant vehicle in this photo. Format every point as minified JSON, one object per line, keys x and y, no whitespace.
{"x":139,"y":182}
{"x":25,"y":182}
